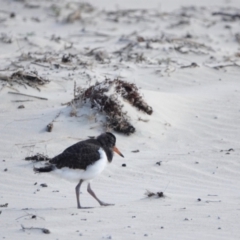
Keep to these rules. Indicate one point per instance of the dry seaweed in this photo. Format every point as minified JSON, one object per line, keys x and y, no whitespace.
{"x":99,"y":98}
{"x":31,"y":79}
{"x":157,"y":194}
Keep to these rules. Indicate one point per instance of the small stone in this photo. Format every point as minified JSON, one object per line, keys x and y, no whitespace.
{"x":12,"y":15}
{"x":50,"y":127}
{"x":21,"y":106}
{"x":135,"y":151}
{"x":124,"y":165}
{"x":5,"y":170}
{"x":199,"y":199}
{"x":43,"y":185}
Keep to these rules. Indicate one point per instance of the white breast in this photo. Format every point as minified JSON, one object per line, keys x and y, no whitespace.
{"x":91,"y":172}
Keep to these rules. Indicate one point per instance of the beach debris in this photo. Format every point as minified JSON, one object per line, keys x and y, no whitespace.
{"x":135,"y":151}
{"x":227,"y":16}
{"x":228,"y":150}
{"x":27,"y":95}
{"x":4,"y":205}
{"x":30,"y":215}
{"x":192,"y":65}
{"x":107,"y":97}
{"x":44,"y":230}
{"x":73,"y":16}
{"x":50,"y":125}
{"x":38,"y":158}
{"x":21,"y":106}
{"x":32,"y":79}
{"x":43,"y":185}
{"x":157,"y":194}
{"x":67,"y":58}
{"x":143,"y":120}
{"x":76,"y":14}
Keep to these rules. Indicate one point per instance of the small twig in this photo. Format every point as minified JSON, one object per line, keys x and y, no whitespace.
{"x":33,"y":216}
{"x":135,"y":151}
{"x":193,"y":64}
{"x":22,"y":100}
{"x":233,"y":16}
{"x":28,"y":95}
{"x":19,"y":48}
{"x":143,"y":120}
{"x":39,"y":64}
{"x":217,"y":67}
{"x":44,"y":230}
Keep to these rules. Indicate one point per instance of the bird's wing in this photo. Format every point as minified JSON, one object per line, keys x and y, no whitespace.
{"x":77,"y":156}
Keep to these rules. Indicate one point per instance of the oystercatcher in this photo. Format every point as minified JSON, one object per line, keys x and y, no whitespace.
{"x":84,"y":161}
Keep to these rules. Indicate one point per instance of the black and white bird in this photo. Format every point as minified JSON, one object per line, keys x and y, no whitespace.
{"x":84,"y":161}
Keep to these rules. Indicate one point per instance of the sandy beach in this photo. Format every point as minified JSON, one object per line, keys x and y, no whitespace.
{"x":180,"y":178}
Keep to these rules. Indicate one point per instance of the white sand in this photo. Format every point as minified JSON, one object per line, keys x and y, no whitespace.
{"x":195,"y":122}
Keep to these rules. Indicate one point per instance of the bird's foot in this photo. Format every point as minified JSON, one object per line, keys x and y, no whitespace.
{"x":79,"y":207}
{"x":106,"y":204}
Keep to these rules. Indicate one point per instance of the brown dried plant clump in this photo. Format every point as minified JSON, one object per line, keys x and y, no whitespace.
{"x":104,"y":97}
{"x":32,"y":79}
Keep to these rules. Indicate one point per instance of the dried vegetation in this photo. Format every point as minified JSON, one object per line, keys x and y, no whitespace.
{"x":105,"y":97}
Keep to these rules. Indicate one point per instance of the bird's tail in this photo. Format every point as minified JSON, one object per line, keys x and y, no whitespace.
{"x":47,"y":168}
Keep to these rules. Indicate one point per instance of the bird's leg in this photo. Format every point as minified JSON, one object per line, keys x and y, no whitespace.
{"x":90,"y":191}
{"x":77,"y":193}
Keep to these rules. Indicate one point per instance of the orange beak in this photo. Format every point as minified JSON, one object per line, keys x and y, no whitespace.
{"x":117,"y":151}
